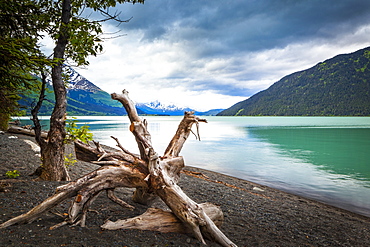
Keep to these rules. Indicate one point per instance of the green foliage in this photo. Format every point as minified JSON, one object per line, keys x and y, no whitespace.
{"x":4,"y":119}
{"x":12,"y":174}
{"x":336,"y":87}
{"x":69,"y":160}
{"x":73,"y":132}
{"x":9,"y":106}
{"x":20,"y":24}
{"x":89,"y":33}
{"x":83,"y":34}
{"x":238,"y":113}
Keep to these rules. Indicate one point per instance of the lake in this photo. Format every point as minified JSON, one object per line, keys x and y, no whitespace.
{"x":322,"y":158}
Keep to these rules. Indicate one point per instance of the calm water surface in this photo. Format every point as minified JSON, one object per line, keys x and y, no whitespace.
{"x":322,"y":158}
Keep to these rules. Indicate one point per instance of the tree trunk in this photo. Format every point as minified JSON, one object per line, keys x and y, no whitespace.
{"x":38,"y":131}
{"x":52,"y":153}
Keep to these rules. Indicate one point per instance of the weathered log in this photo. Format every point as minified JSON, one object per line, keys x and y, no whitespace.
{"x":30,"y":132}
{"x":155,"y":219}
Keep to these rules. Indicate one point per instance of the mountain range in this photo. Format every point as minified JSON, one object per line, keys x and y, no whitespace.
{"x":85,"y":98}
{"x":339,"y":86}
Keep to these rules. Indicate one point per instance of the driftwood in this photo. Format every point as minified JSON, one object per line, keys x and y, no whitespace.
{"x":155,"y":219}
{"x":152,"y":176}
{"x":25,"y":131}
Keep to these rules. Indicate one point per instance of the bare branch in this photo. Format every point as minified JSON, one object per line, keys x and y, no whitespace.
{"x":112,"y":17}
{"x":114,"y":198}
{"x":122,"y":148}
{"x":182,"y":133}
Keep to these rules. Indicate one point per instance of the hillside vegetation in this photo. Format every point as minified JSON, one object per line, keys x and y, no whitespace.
{"x":80,"y":103}
{"x":339,"y":86}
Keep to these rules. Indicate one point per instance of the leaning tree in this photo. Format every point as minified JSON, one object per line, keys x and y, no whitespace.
{"x":76,"y":37}
{"x":151,"y":174}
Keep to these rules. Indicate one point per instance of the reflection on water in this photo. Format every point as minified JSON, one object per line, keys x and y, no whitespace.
{"x":335,"y":150}
{"x":323,"y":158}
{"x":326,"y":159}
{"x":327,"y":164}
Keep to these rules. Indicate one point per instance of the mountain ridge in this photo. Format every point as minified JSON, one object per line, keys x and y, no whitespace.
{"x":158,"y":108}
{"x":339,"y":86}
{"x":85,"y":98}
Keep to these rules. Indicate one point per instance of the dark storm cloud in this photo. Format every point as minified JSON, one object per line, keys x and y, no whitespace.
{"x":230,"y":26}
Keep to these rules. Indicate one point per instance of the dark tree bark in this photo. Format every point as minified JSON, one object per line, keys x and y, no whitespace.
{"x":38,"y":137}
{"x":52,"y":154}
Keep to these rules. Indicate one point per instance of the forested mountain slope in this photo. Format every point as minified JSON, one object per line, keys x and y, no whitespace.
{"x":339,"y":86}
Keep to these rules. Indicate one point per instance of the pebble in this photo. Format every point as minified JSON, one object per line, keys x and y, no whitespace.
{"x":257,"y":189}
{"x":33,"y":145}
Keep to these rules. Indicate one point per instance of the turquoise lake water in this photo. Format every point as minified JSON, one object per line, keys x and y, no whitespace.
{"x":322,"y":158}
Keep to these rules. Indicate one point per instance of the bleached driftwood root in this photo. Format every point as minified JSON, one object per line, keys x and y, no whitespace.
{"x":164,"y":173}
{"x":155,"y":219}
{"x":152,"y":176}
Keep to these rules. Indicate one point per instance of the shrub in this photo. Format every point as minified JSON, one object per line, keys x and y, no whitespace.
{"x":73,"y":132}
{"x":12,"y":174}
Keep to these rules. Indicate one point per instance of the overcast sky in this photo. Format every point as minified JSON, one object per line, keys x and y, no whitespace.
{"x":208,"y":54}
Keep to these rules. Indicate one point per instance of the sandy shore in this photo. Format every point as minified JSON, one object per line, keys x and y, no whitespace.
{"x":255,"y":215}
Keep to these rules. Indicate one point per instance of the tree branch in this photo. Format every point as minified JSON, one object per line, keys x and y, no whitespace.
{"x":112,"y":17}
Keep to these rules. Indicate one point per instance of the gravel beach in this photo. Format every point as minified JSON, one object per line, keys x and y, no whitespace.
{"x":255,"y":215}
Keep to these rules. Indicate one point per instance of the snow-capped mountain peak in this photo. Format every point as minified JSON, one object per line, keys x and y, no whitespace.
{"x":156,"y":107}
{"x":77,"y":81}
